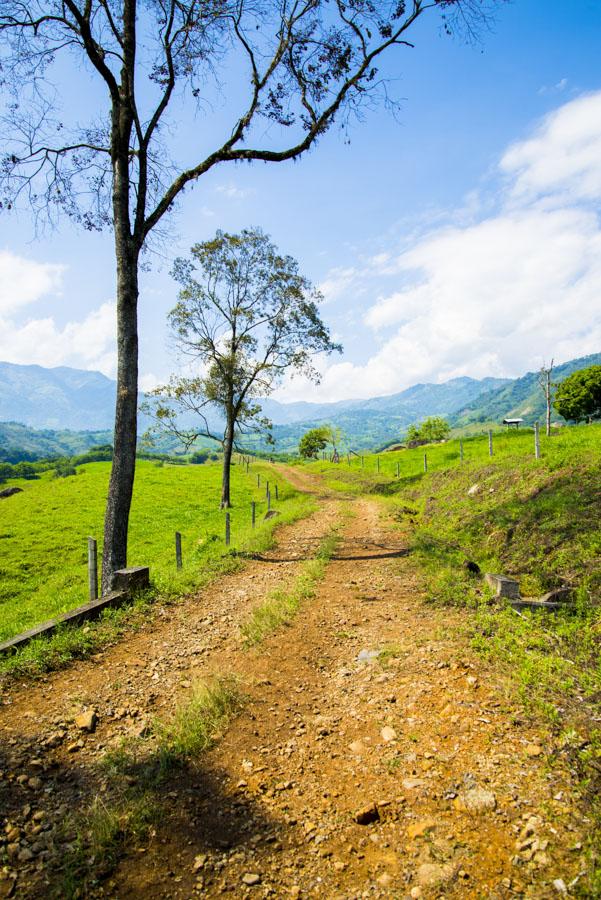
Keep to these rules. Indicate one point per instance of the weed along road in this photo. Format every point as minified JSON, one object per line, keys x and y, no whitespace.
{"x":346,"y":742}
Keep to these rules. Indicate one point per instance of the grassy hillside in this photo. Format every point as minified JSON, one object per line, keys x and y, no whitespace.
{"x":44,"y":530}
{"x":522,"y":398}
{"x":535,"y":519}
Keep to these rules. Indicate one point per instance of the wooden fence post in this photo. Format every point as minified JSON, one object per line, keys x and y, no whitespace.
{"x":536,"y":441}
{"x":93,"y":568}
{"x":268,"y":499}
{"x":258,"y":480}
{"x":425,"y":462}
{"x":490,"y":441}
{"x":252,"y":513}
{"x":178,"y":550}
{"x":378,"y":462}
{"x":362,"y":462}
{"x":266,"y":488}
{"x":227,"y":529}
{"x":398,"y":469}
{"x":277,"y":496}
{"x":461,"y":450}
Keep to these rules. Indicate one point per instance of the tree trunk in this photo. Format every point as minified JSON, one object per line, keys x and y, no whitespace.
{"x":126,"y":415}
{"x":127,"y":251}
{"x":549,"y":407}
{"x":228,"y":447}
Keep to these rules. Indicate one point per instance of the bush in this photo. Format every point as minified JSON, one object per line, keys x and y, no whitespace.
{"x":24,"y":470}
{"x":199,"y":457}
{"x":101,"y":453}
{"x":65,"y":470}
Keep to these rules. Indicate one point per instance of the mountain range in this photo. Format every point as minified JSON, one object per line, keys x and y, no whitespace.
{"x":64,"y":399}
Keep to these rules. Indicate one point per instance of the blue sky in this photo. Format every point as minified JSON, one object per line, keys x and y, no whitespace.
{"x":461,"y":238}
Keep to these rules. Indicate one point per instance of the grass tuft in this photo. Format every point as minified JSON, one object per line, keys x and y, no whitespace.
{"x":198,"y":722}
{"x":281,"y":606}
{"x":135,"y":773}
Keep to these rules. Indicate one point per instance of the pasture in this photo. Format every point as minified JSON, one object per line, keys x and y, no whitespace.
{"x":44,"y":530}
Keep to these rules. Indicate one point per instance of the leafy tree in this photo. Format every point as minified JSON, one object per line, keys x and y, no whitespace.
{"x":313,"y":442}
{"x":578,"y":396}
{"x":199,"y":457}
{"x":6,"y":471}
{"x":250,"y":319}
{"x":434,"y":428}
{"x":302,"y":64}
{"x":99,"y":453}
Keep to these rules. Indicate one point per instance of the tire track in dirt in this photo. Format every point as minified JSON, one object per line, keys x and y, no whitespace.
{"x":424,"y":735}
{"x":421,"y":738}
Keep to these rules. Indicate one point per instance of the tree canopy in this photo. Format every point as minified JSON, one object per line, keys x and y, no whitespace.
{"x":578,"y":396}
{"x":434,"y":428}
{"x":245,"y":318}
{"x":313,"y":442}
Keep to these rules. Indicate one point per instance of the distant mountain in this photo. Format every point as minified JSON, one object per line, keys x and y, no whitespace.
{"x":60,"y":398}
{"x":76,"y":399}
{"x":439,"y":399}
{"x":62,"y":401}
{"x":374,"y":422}
{"x":521,"y":398}
{"x":18,"y":442}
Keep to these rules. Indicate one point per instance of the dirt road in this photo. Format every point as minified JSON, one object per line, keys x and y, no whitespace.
{"x":375,"y":755}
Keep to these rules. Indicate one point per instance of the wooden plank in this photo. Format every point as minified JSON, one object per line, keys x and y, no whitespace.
{"x":88,"y":611}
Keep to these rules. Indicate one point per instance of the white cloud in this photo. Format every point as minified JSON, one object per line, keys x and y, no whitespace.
{"x":337,"y":283}
{"x":558,"y":88}
{"x":23,"y":281}
{"x":88,"y":344}
{"x":563,"y":157}
{"x":497,"y":295}
{"x":232,"y":192}
{"x":149,"y":381}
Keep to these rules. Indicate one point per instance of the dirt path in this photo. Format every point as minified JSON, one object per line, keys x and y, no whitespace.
{"x":457,"y":792}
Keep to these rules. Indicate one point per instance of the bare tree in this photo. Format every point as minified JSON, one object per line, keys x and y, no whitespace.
{"x":546,"y":385}
{"x":245,"y":317}
{"x":307,"y":62}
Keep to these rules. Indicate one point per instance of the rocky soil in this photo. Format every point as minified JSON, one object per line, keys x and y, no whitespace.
{"x":375,"y":755}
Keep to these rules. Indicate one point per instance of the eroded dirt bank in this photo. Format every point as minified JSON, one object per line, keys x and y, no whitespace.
{"x":369,"y":707}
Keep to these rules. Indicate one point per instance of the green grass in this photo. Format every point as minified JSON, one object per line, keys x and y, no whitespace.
{"x":44,"y":530}
{"x":280,"y":607}
{"x":197,"y":723}
{"x":564,"y":444}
